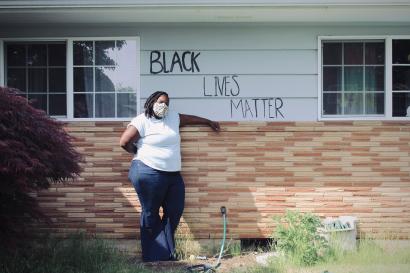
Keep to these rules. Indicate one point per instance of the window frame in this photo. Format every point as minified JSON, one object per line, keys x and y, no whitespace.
{"x":70,"y":70}
{"x":388,"y":106}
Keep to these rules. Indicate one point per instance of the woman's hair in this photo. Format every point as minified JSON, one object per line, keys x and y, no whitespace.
{"x":149,"y":104}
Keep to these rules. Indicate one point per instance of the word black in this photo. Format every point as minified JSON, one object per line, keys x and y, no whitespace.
{"x":184,"y":62}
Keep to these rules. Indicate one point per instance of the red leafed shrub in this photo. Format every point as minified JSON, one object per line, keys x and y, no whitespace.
{"x":34,"y":152}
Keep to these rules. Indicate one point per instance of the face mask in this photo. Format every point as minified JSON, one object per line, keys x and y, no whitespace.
{"x":160,"y":109}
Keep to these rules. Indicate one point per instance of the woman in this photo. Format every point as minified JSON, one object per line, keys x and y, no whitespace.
{"x":155,"y":172}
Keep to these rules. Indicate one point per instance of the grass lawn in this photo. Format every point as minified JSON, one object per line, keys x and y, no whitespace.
{"x":77,"y":254}
{"x":81,"y":254}
{"x":369,"y":257}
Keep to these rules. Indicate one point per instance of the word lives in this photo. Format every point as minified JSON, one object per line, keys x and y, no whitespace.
{"x":239,"y":107}
{"x":222,"y":86}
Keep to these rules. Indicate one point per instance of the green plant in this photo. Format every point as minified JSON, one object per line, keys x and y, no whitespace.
{"x":233,"y":247}
{"x":297,"y":237}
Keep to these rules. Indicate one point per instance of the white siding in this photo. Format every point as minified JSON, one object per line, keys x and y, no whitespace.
{"x":198,"y":86}
{"x":254,"y":108}
{"x":252,"y":62}
{"x":275,"y":62}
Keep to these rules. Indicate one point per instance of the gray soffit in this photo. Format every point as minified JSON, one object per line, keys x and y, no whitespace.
{"x":204,"y":11}
{"x":198,"y":3}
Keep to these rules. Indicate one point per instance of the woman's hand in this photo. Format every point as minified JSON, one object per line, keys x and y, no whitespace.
{"x":214,"y":125}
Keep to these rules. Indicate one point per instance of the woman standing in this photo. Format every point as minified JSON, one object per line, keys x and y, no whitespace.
{"x":155,"y":172}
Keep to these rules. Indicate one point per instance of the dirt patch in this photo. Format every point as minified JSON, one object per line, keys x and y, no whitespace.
{"x":227,"y":263}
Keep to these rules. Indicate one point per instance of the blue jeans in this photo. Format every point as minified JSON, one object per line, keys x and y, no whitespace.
{"x":157,"y":188}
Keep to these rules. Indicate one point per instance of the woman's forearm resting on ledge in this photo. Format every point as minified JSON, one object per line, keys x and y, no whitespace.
{"x":195,"y":120}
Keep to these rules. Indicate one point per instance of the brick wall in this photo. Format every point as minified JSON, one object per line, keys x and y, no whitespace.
{"x":255,"y":169}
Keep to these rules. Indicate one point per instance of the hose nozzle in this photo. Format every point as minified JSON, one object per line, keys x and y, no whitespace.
{"x":223,"y":210}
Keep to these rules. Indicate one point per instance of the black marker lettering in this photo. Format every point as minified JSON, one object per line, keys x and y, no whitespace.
{"x":193,"y":61}
{"x":277,"y":108}
{"x":156,"y":60}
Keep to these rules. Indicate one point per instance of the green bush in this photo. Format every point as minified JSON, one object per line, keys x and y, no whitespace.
{"x":298,"y":239}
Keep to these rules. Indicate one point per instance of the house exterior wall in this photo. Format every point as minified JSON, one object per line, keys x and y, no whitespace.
{"x":257,"y":170}
{"x":256,"y":166}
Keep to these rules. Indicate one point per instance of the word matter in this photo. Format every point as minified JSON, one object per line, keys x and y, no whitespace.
{"x":257,"y":108}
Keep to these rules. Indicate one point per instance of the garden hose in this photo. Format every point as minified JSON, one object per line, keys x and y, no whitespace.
{"x":207,"y":268}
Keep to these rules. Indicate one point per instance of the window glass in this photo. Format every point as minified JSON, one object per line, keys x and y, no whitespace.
{"x":353,"y":53}
{"x":401,"y":104}
{"x":16,"y":78}
{"x":332,"y":53}
{"x":401,"y":78}
{"x":355,"y":86}
{"x":126,"y":105}
{"x":374,"y":103}
{"x":16,"y":55}
{"x":374,"y":53}
{"x":57,"y":104}
{"x":105,"y":76}
{"x":83,"y":53}
{"x":401,"y":51}
{"x":56,"y":55}
{"x":353,"y":103}
{"x":83,"y":105}
{"x":104,"y":105}
{"x":113,"y":72}
{"x":59,"y":80}
{"x":105,"y":79}
{"x":353,"y":78}
{"x":374,"y":78}
{"x":38,"y":69}
{"x":105,"y":53}
{"x":37,"y":55}
{"x":332,"y":78}
{"x":83,"y":79}
{"x":332,"y":103}
{"x":37,"y":80}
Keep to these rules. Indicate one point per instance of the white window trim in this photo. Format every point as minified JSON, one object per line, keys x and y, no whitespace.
{"x":2,"y":80}
{"x":70,"y":87}
{"x":388,"y":107}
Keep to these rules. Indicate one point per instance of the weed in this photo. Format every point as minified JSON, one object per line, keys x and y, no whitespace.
{"x":233,"y":248}
{"x":185,"y":244}
{"x":297,"y":237}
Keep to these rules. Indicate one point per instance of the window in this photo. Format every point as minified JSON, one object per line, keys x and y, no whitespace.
{"x":401,"y":78}
{"x":76,"y":78}
{"x":365,"y":78}
{"x":353,"y":78}
{"x":39,"y":71}
{"x":105,"y":75}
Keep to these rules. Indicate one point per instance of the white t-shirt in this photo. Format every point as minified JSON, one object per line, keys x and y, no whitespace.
{"x":159,"y":146}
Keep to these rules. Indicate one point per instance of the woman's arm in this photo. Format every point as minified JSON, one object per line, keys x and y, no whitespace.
{"x":195,"y":120}
{"x":128,"y":138}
